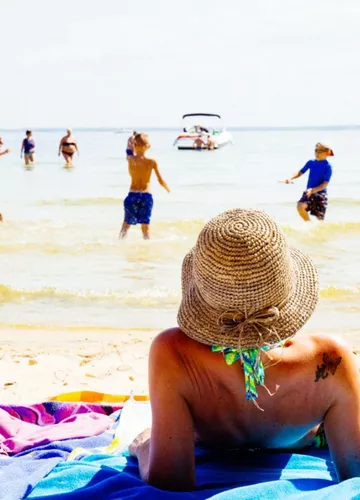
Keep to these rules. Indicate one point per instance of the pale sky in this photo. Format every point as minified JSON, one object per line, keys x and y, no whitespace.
{"x":125,"y":63}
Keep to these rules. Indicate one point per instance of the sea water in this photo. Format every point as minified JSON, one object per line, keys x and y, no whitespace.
{"x":62,"y":266}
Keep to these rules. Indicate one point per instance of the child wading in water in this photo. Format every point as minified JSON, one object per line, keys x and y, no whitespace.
{"x":28,"y":147}
{"x":139,"y":202}
{"x":314,"y":199}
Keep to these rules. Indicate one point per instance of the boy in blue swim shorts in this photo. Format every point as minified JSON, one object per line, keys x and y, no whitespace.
{"x":139,"y":202}
{"x":314,"y":199}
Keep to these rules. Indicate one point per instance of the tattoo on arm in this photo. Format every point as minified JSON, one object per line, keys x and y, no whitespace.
{"x":329,"y":365}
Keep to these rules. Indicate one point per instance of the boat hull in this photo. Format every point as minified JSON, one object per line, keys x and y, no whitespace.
{"x":182,"y":147}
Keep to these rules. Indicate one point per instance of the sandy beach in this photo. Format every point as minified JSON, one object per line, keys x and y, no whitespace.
{"x":36,"y":366}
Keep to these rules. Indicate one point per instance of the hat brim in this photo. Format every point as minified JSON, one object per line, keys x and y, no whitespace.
{"x":200,"y":322}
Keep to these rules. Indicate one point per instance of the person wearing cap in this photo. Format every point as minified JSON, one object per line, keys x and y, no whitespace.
{"x":315,"y":199}
{"x":232,"y":374}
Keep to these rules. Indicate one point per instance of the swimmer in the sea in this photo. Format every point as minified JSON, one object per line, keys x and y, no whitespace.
{"x":67,"y":147}
{"x":210,"y":142}
{"x":199,"y":144}
{"x":139,"y":202}
{"x":28,"y":148}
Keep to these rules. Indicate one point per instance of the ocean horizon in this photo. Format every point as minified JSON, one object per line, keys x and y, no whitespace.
{"x":235,"y":128}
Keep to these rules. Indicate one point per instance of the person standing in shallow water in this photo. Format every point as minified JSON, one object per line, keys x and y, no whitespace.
{"x":139,"y":202}
{"x":28,"y":148}
{"x":67,"y":147}
{"x":315,"y":199}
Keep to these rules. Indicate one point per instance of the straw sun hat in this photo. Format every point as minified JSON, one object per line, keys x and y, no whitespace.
{"x":243,"y":287}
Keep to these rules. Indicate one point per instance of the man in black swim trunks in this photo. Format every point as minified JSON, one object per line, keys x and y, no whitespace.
{"x":314,"y":199}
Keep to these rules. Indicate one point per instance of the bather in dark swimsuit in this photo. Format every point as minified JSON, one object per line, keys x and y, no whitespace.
{"x":29,"y":146}
{"x":68,"y":144}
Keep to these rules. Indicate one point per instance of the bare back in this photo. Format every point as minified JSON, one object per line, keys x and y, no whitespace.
{"x":317,"y":381}
{"x":290,"y":416}
{"x":140,"y":170}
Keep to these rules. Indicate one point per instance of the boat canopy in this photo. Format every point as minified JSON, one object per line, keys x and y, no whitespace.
{"x":201,"y":114}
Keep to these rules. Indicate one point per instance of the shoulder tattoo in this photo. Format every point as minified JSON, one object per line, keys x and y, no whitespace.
{"x":329,"y":365}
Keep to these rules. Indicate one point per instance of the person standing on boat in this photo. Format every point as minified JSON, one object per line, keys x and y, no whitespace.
{"x":67,"y":147}
{"x":314,"y":198}
{"x":28,"y":148}
{"x":130,"y":145}
{"x":199,"y":129}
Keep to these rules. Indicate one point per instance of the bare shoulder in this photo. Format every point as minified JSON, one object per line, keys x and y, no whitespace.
{"x":174,"y":345}
{"x":167,"y":353}
{"x":333,"y":345}
{"x":171,"y":339}
{"x":315,"y":344}
{"x":334,"y":354}
{"x":319,"y":357}
{"x":151,"y":162}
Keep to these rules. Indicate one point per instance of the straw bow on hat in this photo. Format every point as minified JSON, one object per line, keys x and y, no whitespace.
{"x":243,"y":287}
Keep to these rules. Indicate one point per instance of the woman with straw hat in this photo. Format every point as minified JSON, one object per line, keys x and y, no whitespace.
{"x":245,"y":295}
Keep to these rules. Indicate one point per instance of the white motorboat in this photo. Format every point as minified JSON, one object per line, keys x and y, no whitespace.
{"x":207,"y":127}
